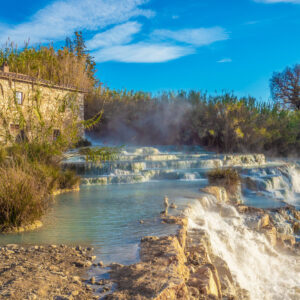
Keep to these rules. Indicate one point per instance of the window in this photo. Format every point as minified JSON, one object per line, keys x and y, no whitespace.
{"x":56,"y":134}
{"x":19,"y":98}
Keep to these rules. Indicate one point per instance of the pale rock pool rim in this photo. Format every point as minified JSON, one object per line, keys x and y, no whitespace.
{"x":108,"y":215}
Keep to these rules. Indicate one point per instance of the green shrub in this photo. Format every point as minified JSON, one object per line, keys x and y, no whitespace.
{"x":102,"y":154}
{"x":23,"y":196}
{"x":228,"y":178}
{"x":68,"y":179}
{"x":55,"y":178}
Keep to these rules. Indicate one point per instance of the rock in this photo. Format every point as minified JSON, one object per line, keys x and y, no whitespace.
{"x":37,"y":272}
{"x":244,"y":160}
{"x":170,"y":219}
{"x":88,"y":264}
{"x":105,"y":289}
{"x":75,"y":293}
{"x":207,"y":281}
{"x":32,"y":297}
{"x":103,"y":282}
{"x":285,"y":239}
{"x":217,"y":191}
{"x":100,"y":264}
{"x":79,"y":264}
{"x":76,"y":279}
{"x":174,"y":267}
{"x":270,"y":233}
{"x":93,"y":280}
{"x":296,"y":227}
{"x":264,"y":221}
{"x":244,"y":209}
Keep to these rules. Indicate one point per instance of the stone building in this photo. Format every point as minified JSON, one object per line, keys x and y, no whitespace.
{"x":27,"y":104}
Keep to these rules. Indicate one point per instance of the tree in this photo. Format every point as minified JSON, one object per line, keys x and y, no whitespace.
{"x":69,"y":44}
{"x":81,"y":51}
{"x":285,"y":87}
{"x":79,"y":44}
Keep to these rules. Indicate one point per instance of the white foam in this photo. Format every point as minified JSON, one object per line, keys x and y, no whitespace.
{"x":257,"y":267}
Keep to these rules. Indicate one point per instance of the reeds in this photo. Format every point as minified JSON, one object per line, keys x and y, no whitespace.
{"x":23,"y":196}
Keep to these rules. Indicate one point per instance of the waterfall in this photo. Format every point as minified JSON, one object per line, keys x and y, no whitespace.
{"x":255,"y":264}
{"x":278,"y":182}
{"x":295,"y":178}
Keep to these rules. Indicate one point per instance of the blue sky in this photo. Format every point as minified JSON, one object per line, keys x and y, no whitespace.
{"x":154,"y":45}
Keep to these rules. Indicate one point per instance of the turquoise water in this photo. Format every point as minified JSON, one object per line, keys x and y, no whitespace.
{"x":108,"y":217}
{"x":116,"y":196}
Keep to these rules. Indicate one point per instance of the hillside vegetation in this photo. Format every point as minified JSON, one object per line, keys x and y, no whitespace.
{"x":224,"y":123}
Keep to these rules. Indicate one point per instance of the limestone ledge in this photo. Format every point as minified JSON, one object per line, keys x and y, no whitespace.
{"x":183,"y":266}
{"x":30,"y":227}
{"x":63,"y":191}
{"x":180,"y":266}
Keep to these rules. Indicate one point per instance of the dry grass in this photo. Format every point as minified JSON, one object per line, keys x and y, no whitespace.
{"x":228,"y":178}
{"x":23,"y":196}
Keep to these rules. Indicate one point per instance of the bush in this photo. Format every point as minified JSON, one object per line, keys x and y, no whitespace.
{"x":29,"y":173}
{"x":228,"y":178}
{"x":68,"y":179}
{"x":23,"y":196}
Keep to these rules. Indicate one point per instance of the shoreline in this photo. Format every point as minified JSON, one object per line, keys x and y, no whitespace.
{"x":177,"y":266}
{"x":38,"y":223}
{"x":44,"y":272}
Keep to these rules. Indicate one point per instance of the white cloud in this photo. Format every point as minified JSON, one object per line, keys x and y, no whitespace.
{"x":161,"y":48}
{"x":278,"y":1}
{"x":197,"y":36}
{"x":224,"y":60}
{"x":142,"y":53}
{"x":62,"y":18}
{"x":120,"y":34}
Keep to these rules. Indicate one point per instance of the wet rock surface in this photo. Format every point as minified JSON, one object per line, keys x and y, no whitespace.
{"x":44,"y":272}
{"x":180,"y":266}
{"x":184,"y":266}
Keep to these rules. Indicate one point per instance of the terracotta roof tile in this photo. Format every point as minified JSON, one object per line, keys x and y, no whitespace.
{"x":34,"y":80}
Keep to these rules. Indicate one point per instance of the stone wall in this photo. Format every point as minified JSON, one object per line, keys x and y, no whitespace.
{"x":51,"y":100}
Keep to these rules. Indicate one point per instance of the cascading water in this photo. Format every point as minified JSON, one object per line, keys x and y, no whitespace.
{"x":257,"y":267}
{"x":115,"y":196}
{"x":279,"y":182}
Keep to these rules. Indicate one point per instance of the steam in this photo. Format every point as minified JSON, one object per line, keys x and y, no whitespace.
{"x":159,"y":124}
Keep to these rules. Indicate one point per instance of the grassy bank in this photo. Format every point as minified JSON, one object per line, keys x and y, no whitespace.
{"x":29,"y":174}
